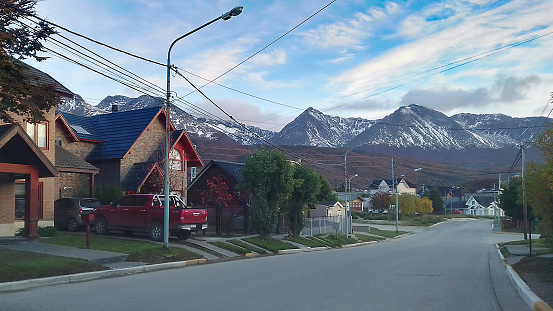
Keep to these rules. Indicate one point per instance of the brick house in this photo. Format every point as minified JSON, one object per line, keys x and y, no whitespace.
{"x":128,"y":148}
{"x":27,"y":168}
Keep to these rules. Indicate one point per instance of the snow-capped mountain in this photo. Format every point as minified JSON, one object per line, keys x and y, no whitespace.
{"x":313,"y":128}
{"x":409,"y":126}
{"x":78,"y":106}
{"x":210,"y":129}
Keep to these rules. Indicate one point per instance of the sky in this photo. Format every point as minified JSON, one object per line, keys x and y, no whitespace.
{"x":349,"y":58}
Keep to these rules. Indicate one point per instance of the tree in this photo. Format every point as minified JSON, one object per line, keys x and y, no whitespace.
{"x":511,"y":199}
{"x":267,"y":176}
{"x":218,"y":193}
{"x":540,"y":185}
{"x":380,"y":201}
{"x":325,"y":192}
{"x":19,"y":94}
{"x":306,"y":187}
{"x":437,"y":200}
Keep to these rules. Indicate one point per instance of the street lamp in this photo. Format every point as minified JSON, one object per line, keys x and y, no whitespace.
{"x":234,"y":12}
{"x":347,"y":197}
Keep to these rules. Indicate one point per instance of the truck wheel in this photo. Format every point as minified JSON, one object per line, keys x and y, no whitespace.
{"x":101,"y":225}
{"x":72,"y":225}
{"x":156,"y":231}
{"x":183,"y":235}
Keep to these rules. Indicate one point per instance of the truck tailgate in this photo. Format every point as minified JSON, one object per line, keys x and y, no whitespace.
{"x":193,"y":216}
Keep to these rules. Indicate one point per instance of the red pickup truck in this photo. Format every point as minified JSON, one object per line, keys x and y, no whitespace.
{"x":144,"y":212}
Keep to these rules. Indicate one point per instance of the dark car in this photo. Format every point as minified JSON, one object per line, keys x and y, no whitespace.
{"x":68,"y":211}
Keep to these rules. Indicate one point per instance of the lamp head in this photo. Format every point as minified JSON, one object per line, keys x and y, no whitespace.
{"x":234,"y":12}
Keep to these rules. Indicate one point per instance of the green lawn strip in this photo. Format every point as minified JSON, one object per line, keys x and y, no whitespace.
{"x":307,"y":242}
{"x":230,"y":247}
{"x":141,"y":251}
{"x":368,"y":238}
{"x":319,"y":240}
{"x":21,"y":265}
{"x":334,"y":241}
{"x":386,"y":233}
{"x":271,"y":244}
{"x":247,"y":246}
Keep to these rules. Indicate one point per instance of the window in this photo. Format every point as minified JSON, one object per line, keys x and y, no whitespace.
{"x":20,"y":200}
{"x":175,"y":160}
{"x":39,"y":134}
{"x":192,"y":173}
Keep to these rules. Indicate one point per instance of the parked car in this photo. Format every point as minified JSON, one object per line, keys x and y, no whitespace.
{"x":457,"y":212}
{"x":145,"y":213}
{"x":68,"y":211}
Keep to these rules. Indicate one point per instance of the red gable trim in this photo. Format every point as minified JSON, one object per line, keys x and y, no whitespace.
{"x":193,"y":157}
{"x":64,"y":125}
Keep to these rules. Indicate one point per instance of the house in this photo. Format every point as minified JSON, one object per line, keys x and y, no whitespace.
{"x":326,"y":209}
{"x":356,"y":205}
{"x":128,"y":148}
{"x":232,"y":176}
{"x":482,"y":206}
{"x":28,"y":186}
{"x":386,"y":185}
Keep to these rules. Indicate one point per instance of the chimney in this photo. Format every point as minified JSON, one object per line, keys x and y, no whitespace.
{"x":114,"y":108}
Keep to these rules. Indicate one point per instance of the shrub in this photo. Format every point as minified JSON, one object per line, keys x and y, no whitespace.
{"x":48,"y":231}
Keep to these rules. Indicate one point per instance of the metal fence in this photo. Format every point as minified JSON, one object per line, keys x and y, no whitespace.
{"x":324,"y":225}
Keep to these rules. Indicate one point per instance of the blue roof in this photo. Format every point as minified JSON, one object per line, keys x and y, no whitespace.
{"x":116,"y":131}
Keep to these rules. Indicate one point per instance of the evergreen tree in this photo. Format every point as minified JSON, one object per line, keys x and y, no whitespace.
{"x":437,"y":200}
{"x":305,"y":191}
{"x":267,"y":176}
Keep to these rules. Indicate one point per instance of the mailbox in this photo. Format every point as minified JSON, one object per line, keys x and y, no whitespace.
{"x":87,"y":217}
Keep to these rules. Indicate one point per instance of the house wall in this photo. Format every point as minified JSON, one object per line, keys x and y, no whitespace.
{"x":109,"y":172}
{"x":7,"y":208}
{"x":81,"y":148}
{"x":148,"y":147}
{"x":73,"y":185}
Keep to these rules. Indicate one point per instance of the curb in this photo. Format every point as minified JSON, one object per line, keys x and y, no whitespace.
{"x":88,"y":276}
{"x":302,"y":250}
{"x":532,"y":300}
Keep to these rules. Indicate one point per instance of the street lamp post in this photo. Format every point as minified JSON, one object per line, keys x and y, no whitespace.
{"x":348,"y":201}
{"x":234,"y":12}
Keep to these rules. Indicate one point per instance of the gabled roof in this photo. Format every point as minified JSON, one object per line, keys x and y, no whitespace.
{"x":39,"y":78}
{"x":232,"y":169}
{"x":193,"y":157}
{"x":485,"y":201}
{"x":66,"y":159}
{"x":137,"y":175}
{"x":117,"y":131}
{"x":16,"y":147}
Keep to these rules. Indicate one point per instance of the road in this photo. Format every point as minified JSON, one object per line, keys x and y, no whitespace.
{"x":452,"y":266}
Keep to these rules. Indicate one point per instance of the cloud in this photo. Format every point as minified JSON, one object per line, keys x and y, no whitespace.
{"x":275,"y":57}
{"x":506,"y":90}
{"x":510,"y":89}
{"x":444,"y":99}
{"x":243,"y":112}
{"x":258,"y":79}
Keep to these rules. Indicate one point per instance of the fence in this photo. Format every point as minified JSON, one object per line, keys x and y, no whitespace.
{"x":324,"y":225}
{"x":228,"y":220}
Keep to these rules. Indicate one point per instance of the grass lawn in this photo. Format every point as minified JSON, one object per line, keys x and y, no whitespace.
{"x":334,"y":241}
{"x":231,"y":247}
{"x":247,"y":246}
{"x":21,"y":265}
{"x":142,"y":251}
{"x":270,"y":244}
{"x":308,"y":242}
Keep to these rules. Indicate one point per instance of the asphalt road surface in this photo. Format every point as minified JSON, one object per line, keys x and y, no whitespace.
{"x":452,"y":266}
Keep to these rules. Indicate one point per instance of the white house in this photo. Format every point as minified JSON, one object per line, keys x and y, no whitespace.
{"x":326,"y":209}
{"x":482,"y":206}
{"x":385,"y":185}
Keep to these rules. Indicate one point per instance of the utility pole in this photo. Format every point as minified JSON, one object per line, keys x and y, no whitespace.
{"x":524,"y":205}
